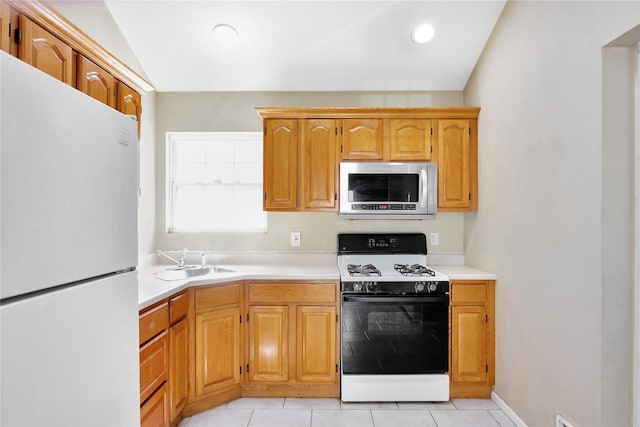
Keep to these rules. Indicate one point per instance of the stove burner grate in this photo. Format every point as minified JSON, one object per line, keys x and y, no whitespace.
{"x":414,"y":270}
{"x":363,"y":270}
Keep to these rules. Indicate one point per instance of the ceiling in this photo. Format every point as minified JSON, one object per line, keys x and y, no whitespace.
{"x":305,"y":45}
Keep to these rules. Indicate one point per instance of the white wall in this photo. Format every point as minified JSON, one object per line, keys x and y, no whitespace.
{"x":236,"y":112}
{"x":539,"y":226}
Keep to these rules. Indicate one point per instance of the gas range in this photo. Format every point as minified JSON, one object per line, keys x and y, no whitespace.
{"x":395,"y":320}
{"x":388,"y":264}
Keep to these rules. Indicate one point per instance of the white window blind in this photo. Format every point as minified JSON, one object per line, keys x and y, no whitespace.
{"x":214,"y":182}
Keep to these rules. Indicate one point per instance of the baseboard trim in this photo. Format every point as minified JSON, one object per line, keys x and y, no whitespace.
{"x":507,"y":410}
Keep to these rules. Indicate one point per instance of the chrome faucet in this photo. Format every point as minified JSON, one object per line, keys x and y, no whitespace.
{"x":180,"y":261}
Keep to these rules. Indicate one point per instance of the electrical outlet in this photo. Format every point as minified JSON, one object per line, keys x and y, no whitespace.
{"x":295,"y":238}
{"x":433,"y":238}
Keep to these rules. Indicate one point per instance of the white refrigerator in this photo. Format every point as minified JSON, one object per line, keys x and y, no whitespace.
{"x":68,"y":255}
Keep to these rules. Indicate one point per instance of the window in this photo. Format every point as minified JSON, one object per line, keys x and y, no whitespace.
{"x":214,"y":182}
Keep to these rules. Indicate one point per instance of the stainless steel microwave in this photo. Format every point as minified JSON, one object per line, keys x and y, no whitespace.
{"x":383,"y":190}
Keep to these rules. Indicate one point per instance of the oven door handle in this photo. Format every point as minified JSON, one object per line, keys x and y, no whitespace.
{"x":396,"y":299}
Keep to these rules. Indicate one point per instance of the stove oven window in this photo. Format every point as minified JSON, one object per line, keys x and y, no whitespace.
{"x":394,"y":338}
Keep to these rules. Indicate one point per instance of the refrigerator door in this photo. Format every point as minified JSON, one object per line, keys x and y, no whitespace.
{"x":70,"y":356}
{"x":68,"y":183}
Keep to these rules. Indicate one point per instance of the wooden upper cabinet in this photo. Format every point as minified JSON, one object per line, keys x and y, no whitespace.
{"x":457,"y":182}
{"x":46,"y":52}
{"x":280,"y":165}
{"x":318,"y":165}
{"x":129,"y":102}
{"x":362,"y":139}
{"x":409,"y":139}
{"x":8,"y":25}
{"x":95,"y":82}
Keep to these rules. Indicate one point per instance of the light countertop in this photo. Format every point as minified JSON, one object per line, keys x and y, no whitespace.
{"x":151,"y":289}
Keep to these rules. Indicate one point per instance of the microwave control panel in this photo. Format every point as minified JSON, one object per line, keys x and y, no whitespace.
{"x":384,"y":207}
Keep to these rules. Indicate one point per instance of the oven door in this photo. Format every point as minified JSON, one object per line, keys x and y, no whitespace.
{"x":394,"y":335}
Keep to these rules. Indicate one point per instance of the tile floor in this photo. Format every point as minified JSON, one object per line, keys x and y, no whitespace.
{"x":321,"y":412}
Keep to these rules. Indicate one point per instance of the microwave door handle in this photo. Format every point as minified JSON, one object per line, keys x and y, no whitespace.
{"x":423,"y":181}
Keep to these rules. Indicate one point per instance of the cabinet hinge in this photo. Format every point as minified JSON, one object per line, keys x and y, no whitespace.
{"x":240,"y":370}
{"x":486,"y":368}
{"x":486,"y":318}
{"x":336,"y":129}
{"x":17,"y":35}
{"x":469,"y":197}
{"x":265,"y":130}
{"x":341,"y":148}
{"x":9,"y":29}
{"x":265,"y":196}
{"x":431,"y":149}
{"x":430,"y":131}
{"x":336,"y":318}
{"x":247,"y":322}
{"x":341,"y":130}
{"x":469,"y":131}
{"x":241,"y":322}
{"x":335,"y":196}
{"x":247,"y":368}
{"x":336,"y":367}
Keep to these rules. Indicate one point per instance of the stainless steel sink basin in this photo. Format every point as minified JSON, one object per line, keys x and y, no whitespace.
{"x":188,"y":271}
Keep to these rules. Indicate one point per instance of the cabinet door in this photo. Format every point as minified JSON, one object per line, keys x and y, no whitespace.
{"x":129,"y":102}
{"x":95,"y":82}
{"x":8,"y":24}
{"x":268,"y":344}
{"x":217,"y":355}
{"x":178,"y":380}
{"x":410,"y":139}
{"x":318,"y":164}
{"x":316,"y":344}
{"x":454,"y":164}
{"x":280,"y":165}
{"x":45,"y":51}
{"x":469,"y":344}
{"x":362,"y":139}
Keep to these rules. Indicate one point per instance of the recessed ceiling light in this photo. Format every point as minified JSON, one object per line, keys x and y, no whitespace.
{"x":226,"y":31}
{"x":423,"y":33}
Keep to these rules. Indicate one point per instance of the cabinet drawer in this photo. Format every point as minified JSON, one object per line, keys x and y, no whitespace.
{"x":292,"y":292}
{"x":155,"y":412}
{"x":178,"y":307}
{"x":153,"y":322}
{"x":218,"y":296}
{"x":154,"y":365}
{"x":469,"y":293}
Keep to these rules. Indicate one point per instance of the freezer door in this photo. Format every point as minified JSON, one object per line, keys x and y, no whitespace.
{"x":70,"y":357}
{"x":68,"y":183}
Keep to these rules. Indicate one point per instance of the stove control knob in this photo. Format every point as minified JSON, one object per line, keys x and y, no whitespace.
{"x":433,"y":287}
{"x":357,"y":286}
{"x":371,"y":286}
{"x":420,"y":287}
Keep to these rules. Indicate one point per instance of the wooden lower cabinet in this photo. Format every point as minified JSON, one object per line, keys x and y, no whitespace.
{"x":316,"y":344}
{"x":178,"y":381}
{"x":472,"y":367}
{"x":155,"y":411}
{"x":215,"y":341}
{"x":268,"y":344}
{"x":292,"y":340}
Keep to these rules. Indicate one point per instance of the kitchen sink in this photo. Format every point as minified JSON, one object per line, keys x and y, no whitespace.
{"x":188,"y":271}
